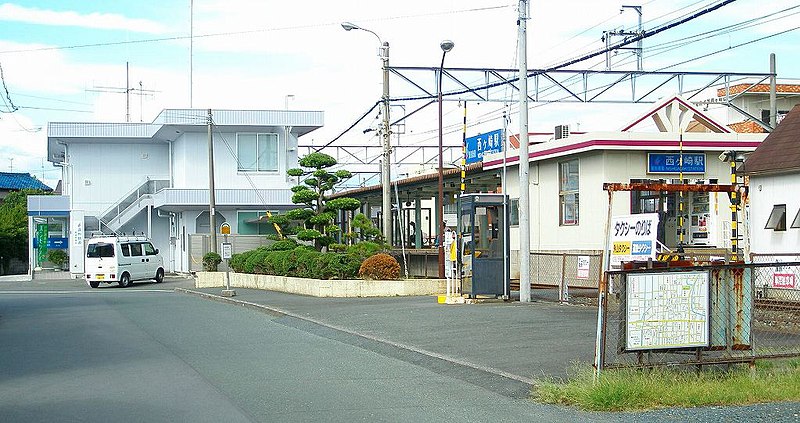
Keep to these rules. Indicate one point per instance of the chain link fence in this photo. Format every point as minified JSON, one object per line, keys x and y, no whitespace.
{"x":716,"y":314}
{"x":564,"y":277}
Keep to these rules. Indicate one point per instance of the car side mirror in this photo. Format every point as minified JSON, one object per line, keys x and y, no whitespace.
{"x":156,"y":250}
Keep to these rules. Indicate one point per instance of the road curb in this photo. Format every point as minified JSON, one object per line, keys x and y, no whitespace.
{"x":275,"y":311}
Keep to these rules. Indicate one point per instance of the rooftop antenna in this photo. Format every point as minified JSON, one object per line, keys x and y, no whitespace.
{"x":141,"y":92}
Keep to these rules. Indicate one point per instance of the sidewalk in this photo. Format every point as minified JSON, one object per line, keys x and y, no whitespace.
{"x":525,"y":342}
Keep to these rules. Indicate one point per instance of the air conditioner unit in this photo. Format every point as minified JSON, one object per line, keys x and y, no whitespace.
{"x":561,"y":131}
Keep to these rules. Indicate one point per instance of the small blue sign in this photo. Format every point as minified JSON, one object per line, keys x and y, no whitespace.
{"x":641,"y":248}
{"x":52,"y":243}
{"x":670,"y":163}
{"x":477,"y":146}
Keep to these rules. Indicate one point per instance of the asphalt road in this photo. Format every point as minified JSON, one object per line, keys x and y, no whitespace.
{"x":134,"y":355}
{"x":70,"y":353}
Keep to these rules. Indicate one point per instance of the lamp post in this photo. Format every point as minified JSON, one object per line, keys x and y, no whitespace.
{"x":446,"y":46}
{"x":386,"y":205}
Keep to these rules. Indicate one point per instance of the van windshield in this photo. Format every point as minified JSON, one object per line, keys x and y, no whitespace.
{"x":100,"y":250}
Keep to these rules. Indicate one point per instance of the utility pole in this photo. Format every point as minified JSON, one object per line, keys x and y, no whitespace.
{"x":637,"y":50}
{"x":387,"y":150}
{"x":524,"y":167}
{"x":773,"y":99}
{"x":212,"y":221}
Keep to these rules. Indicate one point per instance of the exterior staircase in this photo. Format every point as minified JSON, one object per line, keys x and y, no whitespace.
{"x":132,"y":203}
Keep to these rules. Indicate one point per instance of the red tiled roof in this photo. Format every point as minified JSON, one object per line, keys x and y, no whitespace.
{"x":759,"y":88}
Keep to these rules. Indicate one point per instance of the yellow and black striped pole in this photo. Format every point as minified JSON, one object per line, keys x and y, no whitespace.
{"x":734,"y":209}
{"x":464,"y":151}
{"x":681,"y":230}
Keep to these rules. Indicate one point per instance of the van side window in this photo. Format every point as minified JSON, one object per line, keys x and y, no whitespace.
{"x":125,"y":250}
{"x":148,"y":249}
{"x":136,"y":249}
{"x":100,"y":250}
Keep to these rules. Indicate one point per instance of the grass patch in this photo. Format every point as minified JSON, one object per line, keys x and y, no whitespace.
{"x":629,"y":389}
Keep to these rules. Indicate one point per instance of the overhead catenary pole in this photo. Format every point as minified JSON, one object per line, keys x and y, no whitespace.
{"x":191,"y":48}
{"x":524,"y":187}
{"x":386,"y":177}
{"x":773,"y":99}
{"x":212,"y":221}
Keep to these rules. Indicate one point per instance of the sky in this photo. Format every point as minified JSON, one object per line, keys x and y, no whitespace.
{"x":65,"y":61}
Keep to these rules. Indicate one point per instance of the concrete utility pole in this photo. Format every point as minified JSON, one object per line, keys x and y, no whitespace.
{"x":773,"y":98}
{"x":212,"y":221}
{"x":386,"y":179}
{"x":524,"y":167}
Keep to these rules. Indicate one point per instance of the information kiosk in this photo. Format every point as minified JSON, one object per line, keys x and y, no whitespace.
{"x":483,"y":232}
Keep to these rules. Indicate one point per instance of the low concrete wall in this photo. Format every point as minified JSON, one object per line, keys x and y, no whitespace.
{"x":323,"y":288}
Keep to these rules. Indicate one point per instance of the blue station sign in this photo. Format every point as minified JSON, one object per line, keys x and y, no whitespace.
{"x":670,"y":163}
{"x":477,"y":146}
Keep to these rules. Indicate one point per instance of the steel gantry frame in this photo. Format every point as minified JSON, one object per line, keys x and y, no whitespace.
{"x":548,"y":86}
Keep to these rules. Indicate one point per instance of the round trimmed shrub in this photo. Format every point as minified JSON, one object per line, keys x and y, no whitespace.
{"x":211,"y":261}
{"x":380,"y":266}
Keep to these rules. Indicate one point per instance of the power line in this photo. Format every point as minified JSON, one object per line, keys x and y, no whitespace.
{"x":10,"y":104}
{"x":252,"y":31}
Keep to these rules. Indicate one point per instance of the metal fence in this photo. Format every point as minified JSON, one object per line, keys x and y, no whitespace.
{"x":717,"y":314}
{"x":199,"y":246}
{"x":561,"y":276}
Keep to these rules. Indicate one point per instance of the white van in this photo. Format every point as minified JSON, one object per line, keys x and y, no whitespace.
{"x":122,"y":259}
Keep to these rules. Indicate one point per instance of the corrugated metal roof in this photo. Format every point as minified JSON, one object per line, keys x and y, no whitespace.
{"x":780,"y":151}
{"x":19,"y":181}
{"x":241,"y":117}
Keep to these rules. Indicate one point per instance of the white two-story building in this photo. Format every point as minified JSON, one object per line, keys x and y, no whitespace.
{"x":153,"y":178}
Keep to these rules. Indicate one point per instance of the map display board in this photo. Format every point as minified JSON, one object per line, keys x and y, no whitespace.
{"x":667,"y":310}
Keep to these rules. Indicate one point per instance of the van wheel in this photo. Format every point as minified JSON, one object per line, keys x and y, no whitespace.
{"x":94,"y":284}
{"x":124,"y":280}
{"x":160,"y":275}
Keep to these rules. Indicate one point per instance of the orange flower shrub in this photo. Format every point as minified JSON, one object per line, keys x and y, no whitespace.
{"x":379,"y":266}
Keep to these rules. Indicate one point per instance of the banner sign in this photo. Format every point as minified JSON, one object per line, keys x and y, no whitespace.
{"x":670,"y":163}
{"x":633,"y":237}
{"x":41,"y":248}
{"x":477,"y":146}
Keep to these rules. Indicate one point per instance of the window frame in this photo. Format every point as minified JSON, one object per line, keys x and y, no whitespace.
{"x":796,"y":220}
{"x":777,"y":218}
{"x":256,"y":166}
{"x":565,"y":191}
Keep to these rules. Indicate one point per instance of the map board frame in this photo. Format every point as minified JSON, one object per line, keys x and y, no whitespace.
{"x":638,"y":288}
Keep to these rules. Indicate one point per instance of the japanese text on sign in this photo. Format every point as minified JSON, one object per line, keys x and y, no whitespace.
{"x":477,"y":146}
{"x":633,"y":237}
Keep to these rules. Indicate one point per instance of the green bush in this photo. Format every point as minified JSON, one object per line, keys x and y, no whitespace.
{"x":254,"y":262}
{"x":304,"y":261}
{"x":238,"y":260}
{"x":365,"y":249}
{"x":58,"y":257}
{"x":284,"y":244}
{"x":211,"y":261}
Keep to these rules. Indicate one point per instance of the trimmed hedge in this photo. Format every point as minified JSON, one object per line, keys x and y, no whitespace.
{"x":304,"y":261}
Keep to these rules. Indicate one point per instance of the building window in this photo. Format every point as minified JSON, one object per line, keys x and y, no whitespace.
{"x":257,"y":152}
{"x":250,"y":223}
{"x":568,"y":192}
{"x":777,"y":219}
{"x":796,"y":221}
{"x":514,"y":212}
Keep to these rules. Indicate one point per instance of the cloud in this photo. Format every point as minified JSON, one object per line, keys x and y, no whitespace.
{"x":109,"y":21}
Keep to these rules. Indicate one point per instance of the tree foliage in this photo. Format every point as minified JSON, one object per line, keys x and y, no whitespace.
{"x":314,"y":219}
{"x":14,"y":226}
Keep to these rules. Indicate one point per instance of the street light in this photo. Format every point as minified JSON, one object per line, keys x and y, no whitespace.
{"x":386,"y":206}
{"x":446,"y":46}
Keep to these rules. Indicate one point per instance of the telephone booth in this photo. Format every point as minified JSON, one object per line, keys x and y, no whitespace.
{"x":483,"y":232}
